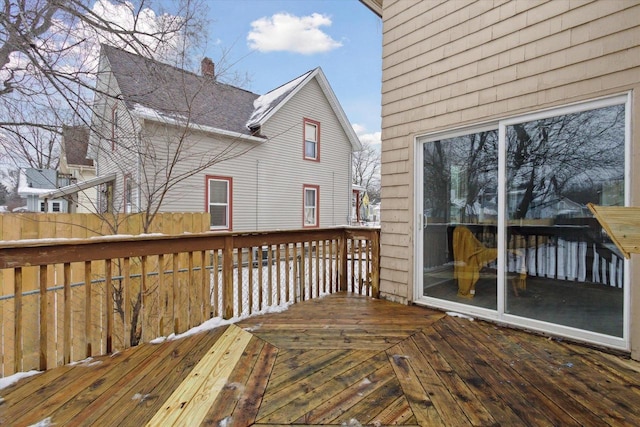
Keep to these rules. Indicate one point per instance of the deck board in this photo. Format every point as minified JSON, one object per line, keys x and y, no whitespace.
{"x":340,"y":360}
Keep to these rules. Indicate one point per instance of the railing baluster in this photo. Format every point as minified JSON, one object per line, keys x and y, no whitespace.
{"x":66,"y":340}
{"x":250,"y":268}
{"x":193,"y":311}
{"x":176,"y":295}
{"x":286,"y":272}
{"x":227,"y":278}
{"x":269,"y":277}
{"x":44,"y":331}
{"x":239,"y":287}
{"x":260,"y":288}
{"x":278,"y":278}
{"x":216,"y":283}
{"x":205,"y":301}
{"x":126,"y":303}
{"x":295,"y":271}
{"x":109,"y":303}
{"x":17,"y":326}
{"x":317,"y":257}
{"x":87,"y":307}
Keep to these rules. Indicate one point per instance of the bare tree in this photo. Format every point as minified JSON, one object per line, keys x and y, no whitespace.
{"x":48,"y":62}
{"x":366,"y":170}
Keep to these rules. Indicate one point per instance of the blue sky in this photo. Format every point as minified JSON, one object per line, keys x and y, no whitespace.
{"x":274,"y":41}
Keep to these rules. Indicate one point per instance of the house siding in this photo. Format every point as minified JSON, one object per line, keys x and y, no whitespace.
{"x":449,"y":64}
{"x":268,"y":178}
{"x":122,"y":161}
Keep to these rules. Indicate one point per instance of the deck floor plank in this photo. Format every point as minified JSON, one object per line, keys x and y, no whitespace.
{"x":562,"y":364}
{"x":48,"y":399}
{"x":139,"y":398}
{"x":517,"y":395}
{"x":449,"y":379}
{"x":572,"y":410}
{"x":303,"y":395}
{"x":190,"y":402}
{"x":341,"y":360}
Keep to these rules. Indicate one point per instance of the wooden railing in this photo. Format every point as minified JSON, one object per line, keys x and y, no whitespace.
{"x":66,"y":300}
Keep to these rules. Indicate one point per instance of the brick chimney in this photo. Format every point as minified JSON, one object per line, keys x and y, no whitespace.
{"x":207,"y":68}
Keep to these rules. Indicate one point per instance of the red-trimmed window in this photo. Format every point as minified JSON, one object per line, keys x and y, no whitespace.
{"x":311,"y":205}
{"x":311,"y":149}
{"x":114,"y":126}
{"x":219,"y":201}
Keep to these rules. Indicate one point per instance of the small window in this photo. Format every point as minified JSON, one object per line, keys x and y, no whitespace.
{"x":42,"y":209}
{"x":55,"y":207}
{"x":311,"y":140}
{"x":219,"y":202}
{"x":311,"y":197}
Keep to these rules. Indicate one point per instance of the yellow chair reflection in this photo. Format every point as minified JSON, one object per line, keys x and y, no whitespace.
{"x":470,"y":256}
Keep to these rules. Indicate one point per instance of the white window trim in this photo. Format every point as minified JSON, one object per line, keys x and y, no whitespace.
{"x":316,"y":198}
{"x":227,"y":204}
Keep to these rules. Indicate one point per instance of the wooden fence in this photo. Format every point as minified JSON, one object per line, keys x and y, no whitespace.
{"x":71,"y":299}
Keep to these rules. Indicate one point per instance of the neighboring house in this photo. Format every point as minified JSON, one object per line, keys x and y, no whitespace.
{"x":182,"y":142}
{"x":32,"y":183}
{"x":482,"y":99}
{"x":75,"y":164}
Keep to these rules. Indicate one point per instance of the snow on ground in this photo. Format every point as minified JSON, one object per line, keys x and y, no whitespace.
{"x":12,"y":379}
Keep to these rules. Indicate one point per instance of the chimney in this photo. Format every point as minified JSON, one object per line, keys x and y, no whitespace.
{"x":207,"y":68}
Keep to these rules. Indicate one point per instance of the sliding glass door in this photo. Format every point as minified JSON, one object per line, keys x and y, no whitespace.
{"x":505,"y":226}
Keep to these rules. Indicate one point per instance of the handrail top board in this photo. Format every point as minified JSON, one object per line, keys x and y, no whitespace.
{"x":622,"y":224}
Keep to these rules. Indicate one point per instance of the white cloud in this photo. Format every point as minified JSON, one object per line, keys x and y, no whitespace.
{"x":372,"y":138}
{"x":286,"y":32}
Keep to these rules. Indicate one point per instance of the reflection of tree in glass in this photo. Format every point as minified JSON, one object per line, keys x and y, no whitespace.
{"x":458,"y":173}
{"x":562,"y":157}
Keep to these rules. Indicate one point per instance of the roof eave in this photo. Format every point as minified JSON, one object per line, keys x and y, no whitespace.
{"x":356,"y":145}
{"x":194,"y":126}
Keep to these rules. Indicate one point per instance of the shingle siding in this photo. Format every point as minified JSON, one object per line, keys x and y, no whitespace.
{"x":452,"y":63}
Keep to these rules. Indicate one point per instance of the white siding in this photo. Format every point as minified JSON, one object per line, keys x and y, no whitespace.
{"x":122,"y":160}
{"x":268,"y":178}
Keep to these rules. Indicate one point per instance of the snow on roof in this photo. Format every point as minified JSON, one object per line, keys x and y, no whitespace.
{"x":25,"y":190}
{"x":265,"y":103}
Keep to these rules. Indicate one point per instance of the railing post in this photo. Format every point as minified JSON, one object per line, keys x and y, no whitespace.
{"x":342,"y":268}
{"x":227,"y":278}
{"x":375,"y":264}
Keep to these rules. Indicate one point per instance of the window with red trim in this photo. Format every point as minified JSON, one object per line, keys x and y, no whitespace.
{"x":311,"y":205}
{"x":311,"y":149}
{"x":219,"y":201}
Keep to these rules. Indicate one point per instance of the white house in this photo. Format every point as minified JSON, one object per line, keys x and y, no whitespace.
{"x":33,"y":183}
{"x":182,"y":142}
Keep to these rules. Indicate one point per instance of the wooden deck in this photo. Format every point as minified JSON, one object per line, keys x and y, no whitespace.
{"x":338,"y":360}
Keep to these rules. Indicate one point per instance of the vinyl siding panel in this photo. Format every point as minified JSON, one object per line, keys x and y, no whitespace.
{"x":122,"y":160}
{"x":268,"y":178}
{"x":453,"y":63}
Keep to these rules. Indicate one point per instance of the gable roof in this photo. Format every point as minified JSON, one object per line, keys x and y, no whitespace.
{"x":165,"y":93}
{"x":374,"y":5}
{"x":75,"y":141}
{"x":151,"y":87}
{"x":268,"y":104}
